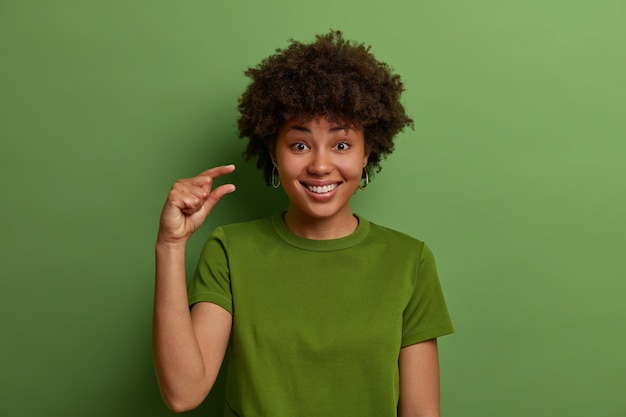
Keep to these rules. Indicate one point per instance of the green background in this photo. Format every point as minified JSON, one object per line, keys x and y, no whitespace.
{"x":514,"y":175}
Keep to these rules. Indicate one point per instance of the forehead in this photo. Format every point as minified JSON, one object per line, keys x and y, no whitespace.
{"x":318,"y":123}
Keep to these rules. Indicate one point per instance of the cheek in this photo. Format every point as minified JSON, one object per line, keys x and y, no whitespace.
{"x":288,"y":168}
{"x":353,"y":169}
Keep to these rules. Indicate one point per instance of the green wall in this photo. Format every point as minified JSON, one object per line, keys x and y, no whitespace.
{"x":514,"y":175}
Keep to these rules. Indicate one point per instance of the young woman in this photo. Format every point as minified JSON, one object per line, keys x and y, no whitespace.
{"x":326,"y":313}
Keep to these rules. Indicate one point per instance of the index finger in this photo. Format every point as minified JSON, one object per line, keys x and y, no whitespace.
{"x":216,"y":172}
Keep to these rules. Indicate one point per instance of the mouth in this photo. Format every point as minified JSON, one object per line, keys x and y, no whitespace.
{"x":321,"y":189}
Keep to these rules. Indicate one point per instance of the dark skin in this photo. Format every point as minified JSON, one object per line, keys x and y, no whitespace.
{"x":334,"y":81}
{"x":330,"y":76}
{"x":189,"y":346}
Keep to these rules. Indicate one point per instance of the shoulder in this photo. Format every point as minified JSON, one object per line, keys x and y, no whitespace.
{"x":394,"y":237}
{"x":247,"y":226}
{"x":249,"y":232}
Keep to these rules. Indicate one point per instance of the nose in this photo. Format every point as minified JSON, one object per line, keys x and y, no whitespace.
{"x":320,"y":163}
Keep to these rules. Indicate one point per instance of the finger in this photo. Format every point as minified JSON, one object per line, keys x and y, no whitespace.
{"x":219,"y":171}
{"x":186,"y":199}
{"x":217,"y":194}
{"x":184,"y":187}
{"x":190,"y":206}
{"x":206,"y":178}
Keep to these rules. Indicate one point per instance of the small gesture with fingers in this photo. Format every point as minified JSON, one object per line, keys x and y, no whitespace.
{"x":189,"y":202}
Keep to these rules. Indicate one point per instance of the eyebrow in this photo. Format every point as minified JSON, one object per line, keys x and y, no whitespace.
{"x":334,"y":129}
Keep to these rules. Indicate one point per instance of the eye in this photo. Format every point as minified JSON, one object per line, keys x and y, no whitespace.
{"x":342,"y":146}
{"x":299,"y":147}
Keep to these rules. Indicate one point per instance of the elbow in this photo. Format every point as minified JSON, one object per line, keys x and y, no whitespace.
{"x":180,"y":405}
{"x":181,"y":394}
{"x":182,"y":401}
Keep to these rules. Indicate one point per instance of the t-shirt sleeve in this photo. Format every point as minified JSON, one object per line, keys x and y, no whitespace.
{"x":426,"y":315}
{"x":211,"y":279}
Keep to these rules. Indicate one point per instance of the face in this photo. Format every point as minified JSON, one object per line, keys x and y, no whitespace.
{"x":320,"y":166}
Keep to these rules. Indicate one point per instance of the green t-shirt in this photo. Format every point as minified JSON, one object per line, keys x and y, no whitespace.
{"x":318,"y":324}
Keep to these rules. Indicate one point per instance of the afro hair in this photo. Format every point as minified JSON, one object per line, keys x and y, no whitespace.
{"x":331,"y":76}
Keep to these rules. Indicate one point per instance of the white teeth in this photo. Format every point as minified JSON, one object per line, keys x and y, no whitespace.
{"x":323,"y":189}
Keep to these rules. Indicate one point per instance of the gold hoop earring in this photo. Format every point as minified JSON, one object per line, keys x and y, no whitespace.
{"x":274,"y":175}
{"x":367,"y":180}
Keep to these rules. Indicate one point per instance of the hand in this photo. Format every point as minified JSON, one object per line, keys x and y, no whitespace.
{"x":189,"y":202}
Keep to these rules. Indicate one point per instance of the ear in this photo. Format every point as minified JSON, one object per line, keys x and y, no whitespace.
{"x":271,"y":149}
{"x":365,"y":159}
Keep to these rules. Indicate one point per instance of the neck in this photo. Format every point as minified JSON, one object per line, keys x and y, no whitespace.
{"x":321,"y":229}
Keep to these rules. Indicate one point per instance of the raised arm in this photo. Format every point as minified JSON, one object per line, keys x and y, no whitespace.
{"x":188,"y":346}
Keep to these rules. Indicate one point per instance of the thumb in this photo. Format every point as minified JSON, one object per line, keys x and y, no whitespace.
{"x":217,"y":194}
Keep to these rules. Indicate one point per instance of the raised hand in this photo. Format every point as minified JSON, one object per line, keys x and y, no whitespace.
{"x":189,"y":202}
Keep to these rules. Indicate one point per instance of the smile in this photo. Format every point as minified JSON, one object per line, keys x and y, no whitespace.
{"x":322,"y":189}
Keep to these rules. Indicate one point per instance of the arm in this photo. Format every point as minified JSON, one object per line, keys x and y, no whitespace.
{"x":188,"y":346}
{"x":419,"y":380}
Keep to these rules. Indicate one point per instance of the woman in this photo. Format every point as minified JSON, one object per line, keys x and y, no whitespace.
{"x":327,"y":313}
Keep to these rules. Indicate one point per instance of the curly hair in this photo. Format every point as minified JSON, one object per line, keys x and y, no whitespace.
{"x":333,"y":77}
